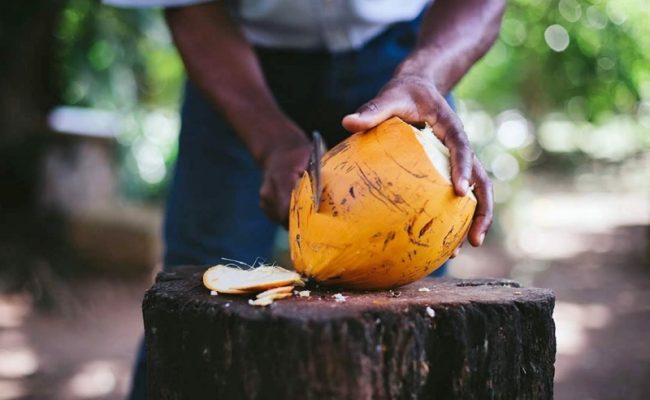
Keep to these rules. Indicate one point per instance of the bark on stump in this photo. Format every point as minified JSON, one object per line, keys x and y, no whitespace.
{"x":463,"y":339}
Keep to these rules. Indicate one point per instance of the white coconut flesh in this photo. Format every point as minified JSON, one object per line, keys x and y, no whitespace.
{"x":436,"y":152}
{"x":227,"y":279}
{"x":278,"y":291}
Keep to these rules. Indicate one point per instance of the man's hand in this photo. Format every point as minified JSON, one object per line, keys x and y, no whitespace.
{"x":416,"y":100}
{"x":283,"y":166}
{"x":453,"y":36}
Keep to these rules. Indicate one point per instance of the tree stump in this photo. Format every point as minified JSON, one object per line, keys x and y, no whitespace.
{"x":461,"y":339}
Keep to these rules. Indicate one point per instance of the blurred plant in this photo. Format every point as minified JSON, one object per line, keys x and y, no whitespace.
{"x":574,"y":80}
{"x":588,"y":58}
{"x":116,"y":58}
{"x":123,"y":60}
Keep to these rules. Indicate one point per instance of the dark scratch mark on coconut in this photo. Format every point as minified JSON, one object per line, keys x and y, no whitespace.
{"x":376,"y":191}
{"x":425,"y":228}
{"x":331,"y":203}
{"x":415,"y":242}
{"x":352,"y":192}
{"x":447,"y":240}
{"x":340,"y":165}
{"x":423,"y":210}
{"x":389,"y":237}
{"x":463,"y":230}
{"x":409,"y":226}
{"x":339,"y":148}
{"x":372,"y":189}
{"x":408,"y":171}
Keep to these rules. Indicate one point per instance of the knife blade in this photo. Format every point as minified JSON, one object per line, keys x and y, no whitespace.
{"x":317,"y":151}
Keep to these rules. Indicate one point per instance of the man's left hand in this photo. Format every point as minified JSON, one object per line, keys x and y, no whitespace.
{"x":416,"y":100}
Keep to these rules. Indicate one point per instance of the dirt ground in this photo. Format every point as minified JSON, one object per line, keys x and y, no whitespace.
{"x":591,"y":248}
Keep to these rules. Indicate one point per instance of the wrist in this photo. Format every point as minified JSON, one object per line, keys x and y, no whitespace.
{"x":269,"y":138}
{"x":262,"y":126}
{"x":427,"y":63}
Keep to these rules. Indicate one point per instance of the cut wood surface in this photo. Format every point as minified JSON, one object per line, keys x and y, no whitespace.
{"x":461,"y":339}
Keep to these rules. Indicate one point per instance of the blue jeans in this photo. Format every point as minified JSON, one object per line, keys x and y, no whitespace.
{"x":213,"y":206}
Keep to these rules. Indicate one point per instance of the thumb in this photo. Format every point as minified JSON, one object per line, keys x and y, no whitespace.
{"x":370,"y":114}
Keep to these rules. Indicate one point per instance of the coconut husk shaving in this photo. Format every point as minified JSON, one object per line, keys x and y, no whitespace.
{"x":268,"y":282}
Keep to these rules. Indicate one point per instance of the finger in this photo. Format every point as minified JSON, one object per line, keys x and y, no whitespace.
{"x":269,"y":202}
{"x":374,"y":112}
{"x":282,"y":211}
{"x":484,"y":209}
{"x":449,"y":129}
{"x":266,"y":193}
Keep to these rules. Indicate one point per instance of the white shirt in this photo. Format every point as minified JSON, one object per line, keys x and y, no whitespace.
{"x":333,"y":25}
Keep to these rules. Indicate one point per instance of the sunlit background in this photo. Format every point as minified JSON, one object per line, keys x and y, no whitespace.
{"x":558,"y":112}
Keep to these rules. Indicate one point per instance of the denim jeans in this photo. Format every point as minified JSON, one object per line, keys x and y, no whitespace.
{"x":213,"y":206}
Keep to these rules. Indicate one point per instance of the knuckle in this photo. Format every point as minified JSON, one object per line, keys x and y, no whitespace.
{"x":441,"y":115}
{"x":370,"y":106}
{"x":463,"y":140}
{"x":459,"y":140}
{"x":464,"y":154}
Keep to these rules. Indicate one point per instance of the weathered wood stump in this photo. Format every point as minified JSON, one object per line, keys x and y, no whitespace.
{"x":462,"y":339}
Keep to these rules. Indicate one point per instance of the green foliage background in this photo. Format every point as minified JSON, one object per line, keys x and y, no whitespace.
{"x":604,"y":70}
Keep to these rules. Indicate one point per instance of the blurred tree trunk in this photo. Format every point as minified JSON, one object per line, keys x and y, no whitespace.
{"x":26,"y":95}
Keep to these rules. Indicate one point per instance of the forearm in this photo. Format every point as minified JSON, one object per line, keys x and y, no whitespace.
{"x":223,"y":65}
{"x":454,"y":35}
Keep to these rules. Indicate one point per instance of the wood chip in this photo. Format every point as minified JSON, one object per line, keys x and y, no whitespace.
{"x":424,"y":289}
{"x":339,"y":298}
{"x":304,"y":293}
{"x":430,"y":312}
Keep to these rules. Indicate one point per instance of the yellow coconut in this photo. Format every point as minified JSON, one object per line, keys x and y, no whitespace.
{"x":388,"y":214}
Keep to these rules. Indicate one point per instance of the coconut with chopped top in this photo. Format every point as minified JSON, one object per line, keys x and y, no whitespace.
{"x":388,"y":214}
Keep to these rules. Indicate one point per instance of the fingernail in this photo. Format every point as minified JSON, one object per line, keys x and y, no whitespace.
{"x":464,"y":186}
{"x":481,"y":238}
{"x":355,"y":115}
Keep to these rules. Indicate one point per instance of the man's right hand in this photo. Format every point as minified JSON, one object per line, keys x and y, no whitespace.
{"x":224,"y":66}
{"x":283,"y":166}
